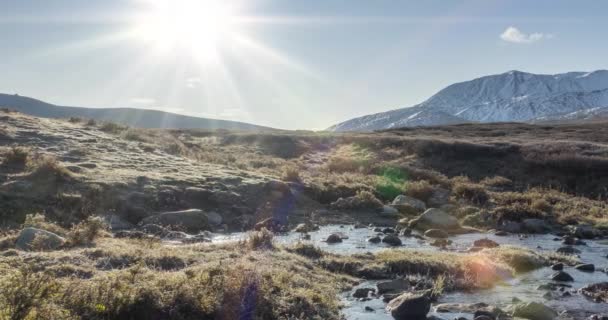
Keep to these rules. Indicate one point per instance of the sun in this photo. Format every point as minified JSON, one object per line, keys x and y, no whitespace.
{"x":196,"y":25}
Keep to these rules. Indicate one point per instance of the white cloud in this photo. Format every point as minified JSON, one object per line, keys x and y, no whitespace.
{"x":143,"y":101}
{"x":193,"y":82}
{"x":514,"y":35}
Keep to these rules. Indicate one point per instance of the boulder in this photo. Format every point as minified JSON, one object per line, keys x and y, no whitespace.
{"x":534,"y":311}
{"x":374,"y":239}
{"x":393,"y":286}
{"x":436,"y":233}
{"x":436,"y":219}
{"x":534,"y":225}
{"x":392,"y":240}
{"x":362,"y":292}
{"x":390,"y":211}
{"x":510,"y":226}
{"x":116,"y":223}
{"x":558,"y":267}
{"x":587,"y":267}
{"x":334,"y":238}
{"x":585,"y":231}
{"x":215,"y":219}
{"x":409,"y":306}
{"x":192,"y":220}
{"x":38,"y":239}
{"x":562,"y":276}
{"x":485,"y":243}
{"x":197,"y":196}
{"x":408,"y":205}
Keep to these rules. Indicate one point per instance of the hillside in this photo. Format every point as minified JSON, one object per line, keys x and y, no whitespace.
{"x":513,"y":96}
{"x":141,"y":118}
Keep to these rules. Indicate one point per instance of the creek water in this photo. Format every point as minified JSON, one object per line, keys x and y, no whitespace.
{"x":523,"y":286}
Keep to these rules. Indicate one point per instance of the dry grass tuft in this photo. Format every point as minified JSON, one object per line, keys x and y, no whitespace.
{"x":17,"y":158}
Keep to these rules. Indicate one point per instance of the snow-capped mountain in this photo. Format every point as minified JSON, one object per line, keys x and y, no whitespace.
{"x":511,"y":96}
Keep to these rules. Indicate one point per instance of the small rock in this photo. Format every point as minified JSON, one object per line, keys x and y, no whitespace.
{"x":333,"y":238}
{"x":558,"y":267}
{"x":597,"y":292}
{"x":535,"y":225}
{"x":501,"y":233}
{"x":409,"y":306}
{"x":436,"y":233}
{"x":408,"y":205}
{"x":390,"y":211}
{"x":374,"y":239}
{"x":393,"y":286}
{"x":485,"y":243}
{"x":388,"y":230}
{"x":561,"y":276}
{"x":534,"y":311}
{"x":369,"y":309}
{"x":568,"y":250}
{"x":587,"y":267}
{"x":435,"y":219}
{"x":362,"y":292}
{"x":392,"y":240}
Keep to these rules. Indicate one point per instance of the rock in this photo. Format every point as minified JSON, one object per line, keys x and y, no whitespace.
{"x":362,"y":292}
{"x":192,"y":221}
{"x":534,"y":225}
{"x":439,"y":197}
{"x":568,"y":250}
{"x":597,"y":292}
{"x":534,"y":311}
{"x":305,"y":227}
{"x":369,"y":309}
{"x":197,"y":196}
{"x":435,"y":219}
{"x":501,"y":233}
{"x":510,"y":226}
{"x":38,"y":239}
{"x":388,"y":230}
{"x":561,"y":276}
{"x":392,"y":240}
{"x":154,"y":229}
{"x":214,"y":218}
{"x":116,"y":223}
{"x":405,"y":232}
{"x":393,"y":286}
{"x":375,"y":239}
{"x":389,"y":211}
{"x":409,"y":306}
{"x":585,"y":231}
{"x":587,"y":267}
{"x":485,"y":243}
{"x":333,"y":238}
{"x":176,"y":235}
{"x":270,"y":224}
{"x":441,"y":243}
{"x":558,"y":267}
{"x":408,"y":205}
{"x":436,"y":233}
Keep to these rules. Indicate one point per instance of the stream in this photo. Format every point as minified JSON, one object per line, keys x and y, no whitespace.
{"x":523,"y":286}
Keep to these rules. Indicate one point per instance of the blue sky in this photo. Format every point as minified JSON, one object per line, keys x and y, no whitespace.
{"x":287,"y":64}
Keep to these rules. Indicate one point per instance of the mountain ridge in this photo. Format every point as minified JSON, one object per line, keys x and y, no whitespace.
{"x":144,"y":118}
{"x":510,"y":96}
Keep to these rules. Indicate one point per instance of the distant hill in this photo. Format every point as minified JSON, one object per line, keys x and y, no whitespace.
{"x":142,"y":118}
{"x":512,"y":96}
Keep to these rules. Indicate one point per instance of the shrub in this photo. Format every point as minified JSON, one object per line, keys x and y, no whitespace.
{"x":362,"y":200}
{"x":497,"y":182}
{"x":46,"y":167}
{"x":91,"y":122}
{"x":86,"y":231}
{"x":306,"y":250}
{"x":471,"y":192}
{"x":112,"y":127}
{"x":74,"y":119}
{"x":16,"y":157}
{"x":290,"y":173}
{"x":541,"y":205}
{"x":24,"y":294}
{"x":38,"y":221}
{"x":422,"y":190}
{"x":261,"y":240}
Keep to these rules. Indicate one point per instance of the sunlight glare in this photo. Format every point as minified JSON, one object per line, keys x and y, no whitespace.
{"x":196,"y":25}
